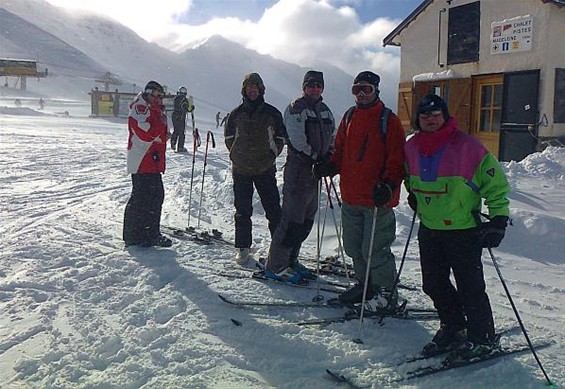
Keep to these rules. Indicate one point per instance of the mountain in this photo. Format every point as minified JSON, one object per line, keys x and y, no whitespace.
{"x":84,"y":46}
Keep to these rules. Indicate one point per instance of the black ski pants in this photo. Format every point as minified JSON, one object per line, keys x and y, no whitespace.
{"x":466,"y":306}
{"x":142,"y":216}
{"x":266,"y":185}
{"x":179,"y":126}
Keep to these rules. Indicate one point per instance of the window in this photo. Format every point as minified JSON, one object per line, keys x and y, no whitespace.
{"x":490,"y":108}
{"x":464,"y":33}
{"x":559,"y":98}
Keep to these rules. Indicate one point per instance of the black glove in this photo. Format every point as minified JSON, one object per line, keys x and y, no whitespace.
{"x":382,"y":193}
{"x":412,"y":202}
{"x":493,"y":231}
{"x":324,"y":168}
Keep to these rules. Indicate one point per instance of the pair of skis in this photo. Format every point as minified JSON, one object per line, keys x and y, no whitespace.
{"x":402,"y":313}
{"x":440,"y":367}
{"x":443,"y":365}
{"x":200,"y":237}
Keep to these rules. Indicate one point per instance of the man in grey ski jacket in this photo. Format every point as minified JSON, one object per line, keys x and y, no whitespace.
{"x":311,"y":132}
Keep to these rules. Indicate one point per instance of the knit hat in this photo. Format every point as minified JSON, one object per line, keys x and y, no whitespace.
{"x":312,"y":76}
{"x":253,"y":79}
{"x":153,"y":86}
{"x":429,"y":104}
{"x":369,"y":77}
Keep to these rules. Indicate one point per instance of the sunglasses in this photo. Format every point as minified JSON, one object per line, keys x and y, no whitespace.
{"x":367,"y":89}
{"x":430,"y":114}
{"x":314,"y":85}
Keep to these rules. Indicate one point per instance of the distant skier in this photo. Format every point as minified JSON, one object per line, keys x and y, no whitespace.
{"x":147,"y":143}
{"x":41,"y":103}
{"x":182,"y":106}
{"x":218,"y":119}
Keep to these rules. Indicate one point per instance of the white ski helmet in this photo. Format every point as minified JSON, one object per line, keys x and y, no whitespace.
{"x":182,"y":90}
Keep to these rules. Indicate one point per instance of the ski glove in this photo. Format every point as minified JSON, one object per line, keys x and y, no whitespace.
{"x":324,"y":168}
{"x":412,"y":202}
{"x":382,"y":193}
{"x":493,"y":231}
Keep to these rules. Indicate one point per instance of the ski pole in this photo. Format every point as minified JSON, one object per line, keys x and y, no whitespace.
{"x":371,"y":242}
{"x":337,"y":232}
{"x":549,"y":383}
{"x":194,"y":126}
{"x":195,"y":144}
{"x":319,"y":236}
{"x":397,"y":279}
{"x":209,"y":135}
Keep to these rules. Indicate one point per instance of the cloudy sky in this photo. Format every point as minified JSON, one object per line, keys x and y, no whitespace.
{"x":345,"y":33}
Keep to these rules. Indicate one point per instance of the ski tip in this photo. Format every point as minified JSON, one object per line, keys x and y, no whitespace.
{"x":236,"y":322}
{"x":357,"y":340}
{"x":223,"y":298}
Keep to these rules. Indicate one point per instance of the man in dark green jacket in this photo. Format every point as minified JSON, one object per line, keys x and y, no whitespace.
{"x":255,"y":136}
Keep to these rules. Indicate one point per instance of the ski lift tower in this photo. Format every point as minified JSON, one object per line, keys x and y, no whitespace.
{"x":21,"y":68}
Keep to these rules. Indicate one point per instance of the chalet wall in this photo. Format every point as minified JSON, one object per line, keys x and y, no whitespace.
{"x":420,"y":47}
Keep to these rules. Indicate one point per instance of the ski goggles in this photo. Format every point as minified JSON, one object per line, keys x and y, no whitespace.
{"x":155,"y":92}
{"x":366,"y":89}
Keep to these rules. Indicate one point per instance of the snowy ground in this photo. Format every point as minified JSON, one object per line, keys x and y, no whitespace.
{"x":77,"y":310}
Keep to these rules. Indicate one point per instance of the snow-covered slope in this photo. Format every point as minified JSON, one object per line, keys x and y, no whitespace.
{"x":77,"y":310}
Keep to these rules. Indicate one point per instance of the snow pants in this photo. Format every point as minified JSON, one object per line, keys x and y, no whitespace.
{"x":179,"y":126}
{"x":466,"y":306}
{"x":357,"y":223}
{"x":300,"y":204}
{"x":142,"y":216}
{"x":266,"y":185}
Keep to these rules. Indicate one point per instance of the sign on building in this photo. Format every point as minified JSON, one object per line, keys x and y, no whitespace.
{"x":512,"y":35}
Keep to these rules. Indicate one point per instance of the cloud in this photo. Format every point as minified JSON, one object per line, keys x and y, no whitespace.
{"x":306,"y":32}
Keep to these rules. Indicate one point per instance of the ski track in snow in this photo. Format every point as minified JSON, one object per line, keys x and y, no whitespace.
{"x":79,"y":310}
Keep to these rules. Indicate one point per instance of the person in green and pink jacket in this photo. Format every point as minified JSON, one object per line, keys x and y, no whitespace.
{"x":448,"y":174}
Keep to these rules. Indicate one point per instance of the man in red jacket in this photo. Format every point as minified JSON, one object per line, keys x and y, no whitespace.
{"x":147,"y":142}
{"x":370,"y":162}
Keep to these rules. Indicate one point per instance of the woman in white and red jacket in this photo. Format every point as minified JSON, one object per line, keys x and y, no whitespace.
{"x":147,"y":142}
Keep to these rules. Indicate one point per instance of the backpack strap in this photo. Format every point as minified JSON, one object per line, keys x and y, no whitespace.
{"x":384,"y":120}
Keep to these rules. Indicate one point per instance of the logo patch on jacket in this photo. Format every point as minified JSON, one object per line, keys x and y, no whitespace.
{"x":490,"y":172}
{"x":141,"y":109}
{"x":428,"y":200}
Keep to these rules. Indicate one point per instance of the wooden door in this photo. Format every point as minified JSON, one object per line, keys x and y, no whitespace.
{"x":486,"y":113}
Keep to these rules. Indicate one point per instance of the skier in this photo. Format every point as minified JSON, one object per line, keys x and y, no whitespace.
{"x":310,"y":127}
{"x":254,"y":135}
{"x":370,"y":162}
{"x":147,"y":143}
{"x":218,"y":119}
{"x":182,"y":106}
{"x":448,"y":174}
